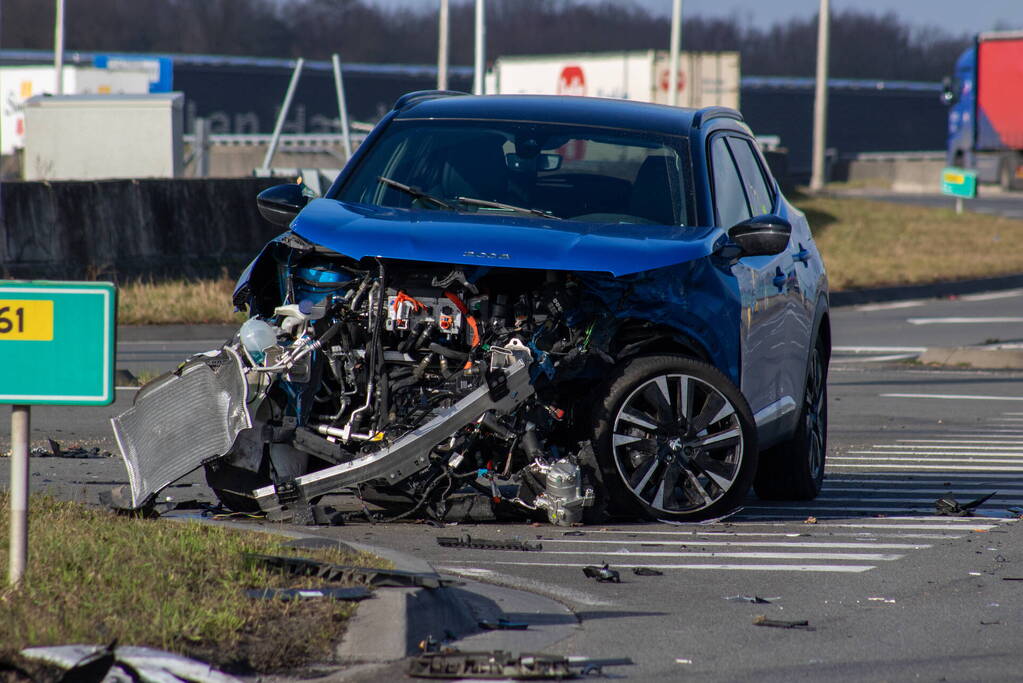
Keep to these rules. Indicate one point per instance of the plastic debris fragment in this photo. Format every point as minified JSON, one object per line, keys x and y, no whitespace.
{"x":755,"y":599}
{"x":646,"y":571}
{"x":762,"y":620}
{"x":602,"y":574}
{"x":948,"y":506}
{"x":330,"y":592}
{"x":468,"y":541}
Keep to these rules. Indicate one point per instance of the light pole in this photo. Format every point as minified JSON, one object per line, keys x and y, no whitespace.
{"x":676,"y":40}
{"x":442,"y":47}
{"x":481,"y":46}
{"x":820,"y":100}
{"x":58,"y":48}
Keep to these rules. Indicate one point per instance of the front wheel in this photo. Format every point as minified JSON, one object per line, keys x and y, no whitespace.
{"x":675,"y":439}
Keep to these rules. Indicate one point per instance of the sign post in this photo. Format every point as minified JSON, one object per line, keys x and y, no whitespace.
{"x":57,"y":344}
{"x":959,"y":183}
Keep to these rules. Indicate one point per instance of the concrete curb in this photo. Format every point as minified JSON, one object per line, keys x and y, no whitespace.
{"x":934,"y":290}
{"x":982,"y":357}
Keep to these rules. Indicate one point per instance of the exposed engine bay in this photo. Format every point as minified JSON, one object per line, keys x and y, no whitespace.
{"x":433,"y":390}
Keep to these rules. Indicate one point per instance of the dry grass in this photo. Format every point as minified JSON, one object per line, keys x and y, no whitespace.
{"x":869,"y":243}
{"x":145,"y":302}
{"x":94,"y":577}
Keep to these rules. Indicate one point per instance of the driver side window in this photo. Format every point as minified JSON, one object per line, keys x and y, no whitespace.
{"x":729,"y":198}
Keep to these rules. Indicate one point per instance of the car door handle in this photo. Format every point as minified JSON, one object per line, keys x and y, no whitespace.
{"x":803,"y":255}
{"x":779,"y":279}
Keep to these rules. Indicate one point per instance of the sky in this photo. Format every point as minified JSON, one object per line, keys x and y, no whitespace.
{"x":953,"y":16}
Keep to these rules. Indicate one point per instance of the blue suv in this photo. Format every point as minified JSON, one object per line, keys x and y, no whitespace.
{"x":568,"y":307}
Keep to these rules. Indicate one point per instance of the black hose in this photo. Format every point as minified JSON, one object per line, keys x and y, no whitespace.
{"x":448,"y":352}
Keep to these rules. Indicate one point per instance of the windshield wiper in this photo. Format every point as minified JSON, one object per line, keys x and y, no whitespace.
{"x":510,"y":207}
{"x":415,"y":192}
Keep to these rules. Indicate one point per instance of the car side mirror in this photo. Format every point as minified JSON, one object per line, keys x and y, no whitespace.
{"x":765,"y":235}
{"x":281,"y":203}
{"x":948,"y":95}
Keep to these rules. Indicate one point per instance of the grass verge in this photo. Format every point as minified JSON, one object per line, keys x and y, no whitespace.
{"x":873,"y":244}
{"x":144,"y":302}
{"x":94,"y":576}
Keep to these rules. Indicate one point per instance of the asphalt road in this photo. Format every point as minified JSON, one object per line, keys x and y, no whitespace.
{"x":891,"y":591}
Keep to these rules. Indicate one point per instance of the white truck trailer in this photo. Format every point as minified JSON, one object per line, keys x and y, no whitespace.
{"x":705,"y":78}
{"x":19,"y":83}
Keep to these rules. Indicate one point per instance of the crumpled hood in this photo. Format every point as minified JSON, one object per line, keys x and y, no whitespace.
{"x":358,"y":230}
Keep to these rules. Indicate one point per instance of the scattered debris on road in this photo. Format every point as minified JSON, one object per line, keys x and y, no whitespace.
{"x":489,"y":665}
{"x":503,"y":624}
{"x":646,"y":571}
{"x":755,"y":599}
{"x":762,"y":620}
{"x":948,"y":506}
{"x":365,"y":576}
{"x":602,"y":574}
{"x":98,"y":663}
{"x":331,"y":592}
{"x":810,"y":520}
{"x":78,"y":452}
{"x":468,"y":541}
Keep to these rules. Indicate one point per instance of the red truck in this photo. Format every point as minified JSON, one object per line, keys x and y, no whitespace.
{"x":985,"y":120}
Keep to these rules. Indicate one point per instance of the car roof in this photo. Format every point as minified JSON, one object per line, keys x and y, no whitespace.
{"x":594,"y":111}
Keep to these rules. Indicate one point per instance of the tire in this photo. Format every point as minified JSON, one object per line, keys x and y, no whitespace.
{"x":794,"y":470}
{"x":664,"y":460}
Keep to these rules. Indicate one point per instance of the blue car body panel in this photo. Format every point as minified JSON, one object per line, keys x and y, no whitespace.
{"x":359,"y":231}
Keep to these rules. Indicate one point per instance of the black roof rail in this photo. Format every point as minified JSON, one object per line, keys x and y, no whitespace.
{"x":420,"y":95}
{"x":708,"y":113}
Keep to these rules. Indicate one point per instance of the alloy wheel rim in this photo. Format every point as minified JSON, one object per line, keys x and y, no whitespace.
{"x":677,"y":443}
{"x":814,"y":416}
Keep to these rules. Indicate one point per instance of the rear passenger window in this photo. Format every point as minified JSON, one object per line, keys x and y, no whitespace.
{"x":758,"y":190}
{"x":729,"y":199}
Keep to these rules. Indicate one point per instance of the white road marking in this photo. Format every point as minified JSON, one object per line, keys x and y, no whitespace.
{"x":989,"y":296}
{"x":964,"y":321}
{"x":955,"y":397}
{"x":527,"y":584}
{"x":878,"y":349}
{"x":966,"y":456}
{"x":951,"y":447}
{"x":772,"y":534}
{"x":852,"y":557}
{"x":748,"y":544}
{"x":946,"y":523}
{"x":127,"y":388}
{"x":725,"y":567}
{"x":961,"y":491}
{"x":875,"y":359}
{"x":977,"y":468}
{"x":868,"y":308}
{"x":964,"y":441}
{"x":925,"y":477}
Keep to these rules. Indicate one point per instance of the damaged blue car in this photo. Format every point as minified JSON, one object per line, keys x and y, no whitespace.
{"x":562,"y":307}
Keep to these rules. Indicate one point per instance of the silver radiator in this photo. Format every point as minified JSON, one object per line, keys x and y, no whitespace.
{"x":181,"y":420}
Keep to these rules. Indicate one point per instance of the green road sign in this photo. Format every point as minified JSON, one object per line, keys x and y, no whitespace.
{"x":57,"y":342}
{"x":959,"y":182}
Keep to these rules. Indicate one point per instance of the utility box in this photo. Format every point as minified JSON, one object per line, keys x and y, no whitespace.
{"x":705,"y":78}
{"x":90,"y":137}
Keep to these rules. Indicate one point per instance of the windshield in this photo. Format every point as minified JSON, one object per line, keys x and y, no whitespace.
{"x":529,"y":170}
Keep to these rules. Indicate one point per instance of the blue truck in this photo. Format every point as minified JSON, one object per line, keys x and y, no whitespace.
{"x":985,"y":118}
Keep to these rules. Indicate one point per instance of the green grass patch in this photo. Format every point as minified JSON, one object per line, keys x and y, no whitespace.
{"x":872,"y":244}
{"x":94,"y":576}
{"x":145,"y":302}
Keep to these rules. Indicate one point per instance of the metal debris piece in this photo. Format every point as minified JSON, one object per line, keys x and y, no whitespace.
{"x":762,"y":620}
{"x":602,"y":574}
{"x":947,"y":506}
{"x":365,"y":576}
{"x":755,"y":599}
{"x":331,"y":592}
{"x":468,"y":541}
{"x":574,"y":533}
{"x":646,"y":571}
{"x":503,"y":624}
{"x":490,"y":665}
{"x":128,"y":664}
